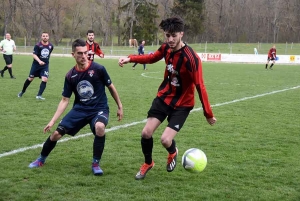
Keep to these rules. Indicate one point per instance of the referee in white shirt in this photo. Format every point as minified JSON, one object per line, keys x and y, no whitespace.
{"x":8,"y":46}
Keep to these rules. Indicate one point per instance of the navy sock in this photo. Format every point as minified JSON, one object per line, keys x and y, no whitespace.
{"x":42,"y":88}
{"x":48,"y":147}
{"x":26,"y":84}
{"x":98,"y":148}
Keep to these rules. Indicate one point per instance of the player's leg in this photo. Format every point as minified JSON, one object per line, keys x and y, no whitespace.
{"x":273,"y":62}
{"x":176,"y":121}
{"x":147,"y":146}
{"x":268,"y":60}
{"x":70,"y":124}
{"x":7,"y":62}
{"x":9,"y":65}
{"x":44,"y":74}
{"x":156,"y":115}
{"x":98,"y":124}
{"x":33,"y":71}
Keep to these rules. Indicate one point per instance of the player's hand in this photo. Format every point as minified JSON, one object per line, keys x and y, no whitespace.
{"x":123,"y":60}
{"x":41,"y":63}
{"x":211,"y":120}
{"x":48,"y":127}
{"x":101,"y":55}
{"x":120,"y":114}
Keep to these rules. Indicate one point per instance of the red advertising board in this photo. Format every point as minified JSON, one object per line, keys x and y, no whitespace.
{"x":213,"y":57}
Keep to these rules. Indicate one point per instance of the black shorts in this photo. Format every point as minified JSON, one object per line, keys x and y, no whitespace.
{"x":176,"y":117}
{"x":271,"y":59}
{"x":8,"y":59}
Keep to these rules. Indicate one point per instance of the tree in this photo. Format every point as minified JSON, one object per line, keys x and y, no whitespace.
{"x":140,"y":20}
{"x":191,"y":12}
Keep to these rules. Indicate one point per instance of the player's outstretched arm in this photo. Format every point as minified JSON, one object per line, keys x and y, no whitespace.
{"x":123,"y":60}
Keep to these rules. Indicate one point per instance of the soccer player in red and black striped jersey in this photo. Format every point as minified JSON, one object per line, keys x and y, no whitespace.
{"x":93,"y":47}
{"x":271,"y":57}
{"x":175,"y":97}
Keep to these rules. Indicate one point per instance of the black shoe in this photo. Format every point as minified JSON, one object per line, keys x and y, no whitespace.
{"x":1,"y":73}
{"x":20,"y":94}
{"x":12,"y":77}
{"x":171,"y":163}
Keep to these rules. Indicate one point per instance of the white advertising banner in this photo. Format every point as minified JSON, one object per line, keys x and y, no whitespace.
{"x":248,"y":58}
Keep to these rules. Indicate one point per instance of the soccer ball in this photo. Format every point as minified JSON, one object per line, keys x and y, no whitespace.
{"x":194,"y":160}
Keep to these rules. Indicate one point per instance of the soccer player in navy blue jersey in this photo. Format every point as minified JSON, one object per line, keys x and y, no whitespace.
{"x":87,"y":80}
{"x":141,"y":50}
{"x":40,"y":65}
{"x":176,"y":94}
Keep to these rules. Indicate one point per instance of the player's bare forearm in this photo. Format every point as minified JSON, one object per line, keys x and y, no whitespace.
{"x":63,"y":104}
{"x":123,"y":60}
{"x":116,"y":97}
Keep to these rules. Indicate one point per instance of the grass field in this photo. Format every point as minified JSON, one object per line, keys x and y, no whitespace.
{"x":252,"y":151}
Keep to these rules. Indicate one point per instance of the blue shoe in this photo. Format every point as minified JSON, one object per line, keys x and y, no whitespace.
{"x":96,"y":169}
{"x":37,"y":163}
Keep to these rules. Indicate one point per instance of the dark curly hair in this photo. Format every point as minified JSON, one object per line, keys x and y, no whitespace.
{"x":172,"y":25}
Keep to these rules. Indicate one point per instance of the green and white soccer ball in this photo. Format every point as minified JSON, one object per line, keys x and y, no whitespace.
{"x":194,"y":160}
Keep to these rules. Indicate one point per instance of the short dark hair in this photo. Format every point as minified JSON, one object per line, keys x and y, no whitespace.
{"x":78,"y":43}
{"x":172,"y":25}
{"x":89,"y":31}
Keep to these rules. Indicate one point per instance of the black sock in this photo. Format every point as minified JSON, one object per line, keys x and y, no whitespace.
{"x":271,"y":65}
{"x":4,"y":69}
{"x":147,"y":146}
{"x":98,"y":147}
{"x":42,"y":88}
{"x":48,"y":147}
{"x":134,"y":65}
{"x":266,"y":65}
{"x":172,"y":148}
{"x":26,"y":84}
{"x":10,"y":72}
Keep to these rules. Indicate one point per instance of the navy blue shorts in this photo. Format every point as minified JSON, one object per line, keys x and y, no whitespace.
{"x":39,"y":71}
{"x":76,"y":120}
{"x":176,"y":117}
{"x":8,"y":59}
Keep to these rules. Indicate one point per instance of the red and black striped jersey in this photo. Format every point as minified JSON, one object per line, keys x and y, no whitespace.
{"x":183,"y":73}
{"x":93,"y":49}
{"x":272,"y":53}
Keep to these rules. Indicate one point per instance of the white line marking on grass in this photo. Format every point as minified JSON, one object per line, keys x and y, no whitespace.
{"x":147,"y":76}
{"x":143,"y":121}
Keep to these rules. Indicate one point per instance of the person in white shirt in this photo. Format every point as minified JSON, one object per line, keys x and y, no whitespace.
{"x":8,"y":46}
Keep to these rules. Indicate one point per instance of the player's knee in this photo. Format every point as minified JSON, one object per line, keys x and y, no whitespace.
{"x":55,"y":136}
{"x":147,"y":133}
{"x":100,"y":129}
{"x":165,"y":141}
{"x":44,"y":79}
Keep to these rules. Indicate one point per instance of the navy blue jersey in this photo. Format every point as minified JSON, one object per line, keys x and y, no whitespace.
{"x":141,"y":49}
{"x":88,"y":87}
{"x":43,"y":52}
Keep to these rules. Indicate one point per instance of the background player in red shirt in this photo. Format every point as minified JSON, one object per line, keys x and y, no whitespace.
{"x":93,"y":47}
{"x":175,"y":97}
{"x":271,"y":57}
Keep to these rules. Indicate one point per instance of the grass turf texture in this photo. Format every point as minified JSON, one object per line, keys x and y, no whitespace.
{"x":252,"y":151}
